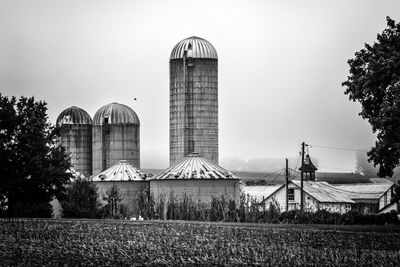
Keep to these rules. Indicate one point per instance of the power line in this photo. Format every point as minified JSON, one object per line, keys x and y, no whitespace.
{"x":339,"y":148}
{"x":276,"y":177}
{"x":270,"y":174}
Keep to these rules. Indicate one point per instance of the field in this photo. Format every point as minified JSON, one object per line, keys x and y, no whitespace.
{"x":124,"y":243}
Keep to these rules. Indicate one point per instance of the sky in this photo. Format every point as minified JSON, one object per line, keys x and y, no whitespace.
{"x":281,"y":65}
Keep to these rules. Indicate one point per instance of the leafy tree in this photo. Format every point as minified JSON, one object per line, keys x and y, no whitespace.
{"x":146,"y":204}
{"x":374,"y":81}
{"x":81,"y":201}
{"x":114,"y":208}
{"x":363,"y":166}
{"x":32,"y":166}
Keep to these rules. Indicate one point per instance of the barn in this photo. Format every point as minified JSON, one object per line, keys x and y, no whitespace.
{"x":366,"y":197}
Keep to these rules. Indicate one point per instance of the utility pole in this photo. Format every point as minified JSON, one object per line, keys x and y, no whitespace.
{"x":287,"y":185}
{"x":301,"y":178}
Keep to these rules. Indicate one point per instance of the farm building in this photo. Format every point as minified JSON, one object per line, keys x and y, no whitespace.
{"x":76,"y":137}
{"x":196,"y":177}
{"x":116,"y":136}
{"x":193,"y":123}
{"x":371,"y":197}
{"x":129,"y":180}
{"x":367,"y":198}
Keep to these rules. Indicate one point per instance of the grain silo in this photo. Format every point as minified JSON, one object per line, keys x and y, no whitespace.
{"x":76,"y":137}
{"x":116,"y":136}
{"x":197,"y":178}
{"x":130,"y":181}
{"x":193,"y":100}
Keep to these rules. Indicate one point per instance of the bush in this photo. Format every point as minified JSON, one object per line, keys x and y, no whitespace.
{"x":81,"y":201}
{"x":221,"y":209}
{"x":326,"y":217}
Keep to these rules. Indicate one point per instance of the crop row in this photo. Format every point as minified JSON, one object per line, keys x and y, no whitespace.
{"x":36,"y":242}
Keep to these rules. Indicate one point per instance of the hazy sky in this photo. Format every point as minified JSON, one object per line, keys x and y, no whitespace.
{"x":281,"y":65}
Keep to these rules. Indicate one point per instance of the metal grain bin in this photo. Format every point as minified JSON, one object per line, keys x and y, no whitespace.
{"x":76,"y":137}
{"x":193,"y":100}
{"x":116,"y":136}
{"x":197,"y":178}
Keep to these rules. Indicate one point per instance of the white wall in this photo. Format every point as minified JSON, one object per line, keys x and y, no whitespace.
{"x":385,"y":199}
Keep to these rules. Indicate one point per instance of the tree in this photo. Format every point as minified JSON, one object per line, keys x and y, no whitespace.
{"x":114,"y":199}
{"x":374,"y":81}
{"x":32,"y":165}
{"x":81,"y":200}
{"x":364,"y":167}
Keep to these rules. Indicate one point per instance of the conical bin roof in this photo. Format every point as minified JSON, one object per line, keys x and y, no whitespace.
{"x":195,"y":167}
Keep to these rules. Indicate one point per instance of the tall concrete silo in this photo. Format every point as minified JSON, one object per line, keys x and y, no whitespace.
{"x":193,"y":100}
{"x":116,"y":136}
{"x":76,"y":137}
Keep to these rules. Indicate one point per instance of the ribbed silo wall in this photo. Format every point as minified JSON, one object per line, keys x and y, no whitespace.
{"x":198,"y":190}
{"x":115,"y":142}
{"x":193,"y":108}
{"x":77,"y":141}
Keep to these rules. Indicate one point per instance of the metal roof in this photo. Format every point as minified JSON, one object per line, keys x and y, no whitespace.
{"x":195,"y":167}
{"x":195,"y":47}
{"x":324,"y":192}
{"x":261,"y":192}
{"x":365,"y":191}
{"x":121,"y":171}
{"x":116,"y":114}
{"x":73,"y":115}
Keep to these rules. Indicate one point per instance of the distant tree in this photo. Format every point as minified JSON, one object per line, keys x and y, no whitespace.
{"x":374,"y":81}
{"x":32,"y":166}
{"x":114,"y":208}
{"x":363,"y":166}
{"x":81,"y":200}
{"x":146,"y":204}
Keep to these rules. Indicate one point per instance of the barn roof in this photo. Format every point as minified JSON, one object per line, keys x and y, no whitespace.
{"x":324,"y":192}
{"x":195,"y":167}
{"x":121,"y":171}
{"x":261,"y":192}
{"x":365,"y":191}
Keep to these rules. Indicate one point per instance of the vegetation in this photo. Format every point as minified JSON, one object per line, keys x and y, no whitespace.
{"x":248,"y":210}
{"x":107,"y":243}
{"x":81,"y":200}
{"x":114,"y":207}
{"x":32,"y":166}
{"x":374,"y":81}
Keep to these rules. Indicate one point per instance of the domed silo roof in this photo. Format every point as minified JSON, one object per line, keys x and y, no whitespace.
{"x":195,"y":167}
{"x":116,"y":114}
{"x":196,"y":47}
{"x":73,"y":115}
{"x":121,"y":171}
